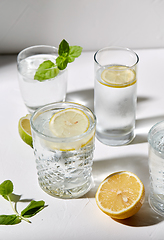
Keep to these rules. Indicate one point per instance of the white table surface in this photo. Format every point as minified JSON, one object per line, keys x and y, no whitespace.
{"x":80,"y":218}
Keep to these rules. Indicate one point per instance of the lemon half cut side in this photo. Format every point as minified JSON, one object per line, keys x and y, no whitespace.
{"x":24,"y":129}
{"x":119,"y":76}
{"x":67,"y":124}
{"x":120,"y":195}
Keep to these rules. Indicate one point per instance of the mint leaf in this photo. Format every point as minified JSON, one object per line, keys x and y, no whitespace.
{"x":70,"y":59}
{"x":33,"y":208}
{"x":46,"y":70}
{"x":61,"y":62}
{"x":46,"y":64}
{"x":75,"y":51}
{"x":63,"y":48}
{"x":67,"y":54}
{"x":9,"y":219}
{"x":6,"y":188}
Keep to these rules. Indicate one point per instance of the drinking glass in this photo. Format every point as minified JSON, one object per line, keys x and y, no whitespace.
{"x":156,"y":167}
{"x":64,"y":164}
{"x":115,"y":73}
{"x":38,"y":93}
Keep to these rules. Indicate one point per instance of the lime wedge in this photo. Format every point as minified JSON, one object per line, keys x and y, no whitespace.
{"x":24,"y":129}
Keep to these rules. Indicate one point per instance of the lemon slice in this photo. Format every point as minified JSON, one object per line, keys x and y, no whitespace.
{"x":24,"y":129}
{"x":119,"y":76}
{"x":68,"y":123}
{"x":120,"y":195}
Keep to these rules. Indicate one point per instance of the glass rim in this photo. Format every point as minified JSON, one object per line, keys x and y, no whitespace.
{"x":117,"y":48}
{"x":51,"y":106}
{"x":35,"y":47}
{"x":150,"y":135}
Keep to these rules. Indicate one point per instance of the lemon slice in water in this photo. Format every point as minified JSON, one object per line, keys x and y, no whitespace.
{"x":24,"y":129}
{"x":119,"y":76}
{"x":67,"y":123}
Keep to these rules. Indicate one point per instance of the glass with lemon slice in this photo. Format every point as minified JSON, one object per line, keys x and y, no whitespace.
{"x":63,"y":140}
{"x":115,"y":94}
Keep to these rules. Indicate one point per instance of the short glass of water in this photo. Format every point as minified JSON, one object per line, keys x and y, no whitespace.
{"x":156,"y":167}
{"x":63,"y":140}
{"x":115,"y":71}
{"x":40,"y":91}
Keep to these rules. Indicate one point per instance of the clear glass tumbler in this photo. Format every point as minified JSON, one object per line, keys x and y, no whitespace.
{"x":115,"y":72}
{"x":156,"y":167}
{"x":38,"y":93}
{"x":64,"y":164}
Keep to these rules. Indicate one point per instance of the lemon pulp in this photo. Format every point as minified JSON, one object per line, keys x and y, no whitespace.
{"x":120,"y":195}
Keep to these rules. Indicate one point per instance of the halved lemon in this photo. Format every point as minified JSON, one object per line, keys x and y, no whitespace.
{"x":119,"y":76}
{"x":24,"y":129}
{"x":67,"y":123}
{"x":120,"y":195}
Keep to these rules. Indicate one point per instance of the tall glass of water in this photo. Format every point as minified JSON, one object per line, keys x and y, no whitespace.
{"x":115,"y":73}
{"x":63,"y":139}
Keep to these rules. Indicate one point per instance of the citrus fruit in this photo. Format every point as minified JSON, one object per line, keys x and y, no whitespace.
{"x":118,"y":76}
{"x":120,"y":195}
{"x":69,"y":124}
{"x":24,"y":129}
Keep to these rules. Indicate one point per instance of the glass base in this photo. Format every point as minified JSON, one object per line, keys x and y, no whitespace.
{"x":156,"y":204}
{"x":115,"y":139}
{"x":32,"y":109}
{"x":66,"y":193}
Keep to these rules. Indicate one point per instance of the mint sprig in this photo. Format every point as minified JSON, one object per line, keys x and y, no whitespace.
{"x":6,"y":190}
{"x":67,"y":54}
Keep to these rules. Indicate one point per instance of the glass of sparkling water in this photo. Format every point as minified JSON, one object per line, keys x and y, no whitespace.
{"x":38,"y":93}
{"x":156,"y":167}
{"x":115,"y":72}
{"x":64,"y":164}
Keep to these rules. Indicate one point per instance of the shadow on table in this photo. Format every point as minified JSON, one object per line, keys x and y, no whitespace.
{"x":143,"y":126}
{"x":6,"y":59}
{"x":17,"y":198}
{"x":145,"y":217}
{"x":137,"y":164}
{"x":85,"y":97}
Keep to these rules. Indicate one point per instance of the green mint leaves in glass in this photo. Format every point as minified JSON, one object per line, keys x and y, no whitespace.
{"x":67,"y":54}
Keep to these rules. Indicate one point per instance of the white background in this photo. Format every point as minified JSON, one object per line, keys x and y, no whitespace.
{"x":92,"y":24}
